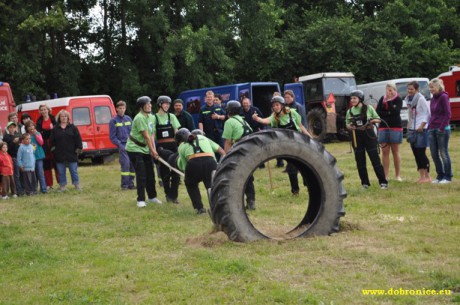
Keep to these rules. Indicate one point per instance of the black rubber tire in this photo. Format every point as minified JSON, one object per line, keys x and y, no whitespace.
{"x":316,"y":124}
{"x":324,"y":180}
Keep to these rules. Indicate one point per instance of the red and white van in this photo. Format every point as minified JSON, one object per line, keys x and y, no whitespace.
{"x":91,"y":114}
{"x":451,"y":81}
{"x":7,"y":104}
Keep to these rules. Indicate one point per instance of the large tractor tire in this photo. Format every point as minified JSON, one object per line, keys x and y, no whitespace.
{"x":317,"y":166}
{"x":316,"y":124}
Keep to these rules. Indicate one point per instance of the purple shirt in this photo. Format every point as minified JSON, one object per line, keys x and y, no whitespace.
{"x":440,"y":111}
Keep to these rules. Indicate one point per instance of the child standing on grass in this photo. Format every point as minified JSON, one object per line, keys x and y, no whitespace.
{"x":359,"y":120}
{"x":37,"y":142}
{"x":26,"y":162}
{"x":6,"y":170}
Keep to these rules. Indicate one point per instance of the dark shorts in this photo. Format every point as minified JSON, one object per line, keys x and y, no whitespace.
{"x":390,"y":136}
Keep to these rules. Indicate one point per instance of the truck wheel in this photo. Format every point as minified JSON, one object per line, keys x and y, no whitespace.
{"x":316,"y":124}
{"x":316,"y":165}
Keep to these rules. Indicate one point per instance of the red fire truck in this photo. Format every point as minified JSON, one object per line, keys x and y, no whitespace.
{"x":7,"y":104}
{"x":451,"y":81}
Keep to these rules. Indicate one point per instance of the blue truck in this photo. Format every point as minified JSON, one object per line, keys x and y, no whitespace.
{"x":260,"y":94}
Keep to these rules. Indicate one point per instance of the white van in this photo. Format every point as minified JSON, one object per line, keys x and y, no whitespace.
{"x":374,"y":91}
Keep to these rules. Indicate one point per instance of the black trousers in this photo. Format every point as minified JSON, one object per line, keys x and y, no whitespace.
{"x":366,"y":140}
{"x":420,"y":158}
{"x":170,"y":178}
{"x":145,"y":175}
{"x":198,"y":170}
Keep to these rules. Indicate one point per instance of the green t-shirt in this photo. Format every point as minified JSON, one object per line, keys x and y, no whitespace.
{"x":163,"y":120}
{"x":186,"y":150}
{"x":233,"y":128}
{"x":141,"y":122}
{"x":285,"y":118}
{"x":353,"y":111}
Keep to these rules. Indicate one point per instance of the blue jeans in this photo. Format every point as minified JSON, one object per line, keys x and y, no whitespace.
{"x":40,"y":175}
{"x":62,"y":172}
{"x":17,"y":177}
{"x":439,"y":147}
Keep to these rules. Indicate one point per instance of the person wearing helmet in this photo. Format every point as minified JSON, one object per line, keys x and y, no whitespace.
{"x":185,"y":119}
{"x":166,"y":126}
{"x":236,"y":128}
{"x":210,"y":119}
{"x":141,"y":148}
{"x":359,"y":120}
{"x":196,"y":158}
{"x":285,"y":118}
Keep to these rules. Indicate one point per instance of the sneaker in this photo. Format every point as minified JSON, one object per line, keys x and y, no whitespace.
{"x":155,"y":200}
{"x":365,"y":186}
{"x":132,"y":187}
{"x":62,"y":188}
{"x":201,"y":211}
{"x":295,"y":193}
{"x":141,"y":204}
{"x":383,"y":186}
{"x":399,"y":179}
{"x":78,"y":187}
{"x":251,"y":205}
{"x":5,"y":197}
{"x":444,"y":181}
{"x":176,"y":201}
{"x":436,"y":181}
{"x":15,"y":196}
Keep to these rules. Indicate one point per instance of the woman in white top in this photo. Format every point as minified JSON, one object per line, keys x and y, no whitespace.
{"x":419,"y":115}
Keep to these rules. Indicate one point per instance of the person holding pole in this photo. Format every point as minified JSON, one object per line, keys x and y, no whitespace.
{"x":359,"y":120}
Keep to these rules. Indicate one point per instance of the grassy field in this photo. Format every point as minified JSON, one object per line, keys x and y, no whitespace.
{"x":97,"y":247}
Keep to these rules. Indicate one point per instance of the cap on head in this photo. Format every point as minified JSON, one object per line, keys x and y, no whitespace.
{"x":142,"y":101}
{"x":11,"y":124}
{"x":163,"y":99}
{"x":278,"y":99}
{"x":233,"y":107}
{"x":359,"y":94}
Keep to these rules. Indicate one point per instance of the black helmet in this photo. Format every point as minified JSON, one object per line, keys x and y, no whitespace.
{"x":163,"y":99}
{"x":198,"y":132}
{"x":233,"y":107}
{"x":182,"y":135}
{"x":142,"y":101}
{"x":359,"y":94}
{"x":278,"y":99}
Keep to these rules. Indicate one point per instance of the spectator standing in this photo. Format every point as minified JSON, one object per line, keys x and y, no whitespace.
{"x":419,"y":114}
{"x":210,"y":119}
{"x":289,"y":97}
{"x":13,"y":138}
{"x":185,"y":119}
{"x":7,"y":170}
{"x":247,"y":111}
{"x":25,"y":117}
{"x":141,"y":149}
{"x":66,"y":143}
{"x":390,"y":131}
{"x":37,"y":142}
{"x":45,"y":124}
{"x":439,"y":131}
{"x":13,"y":117}
{"x":26,"y":162}
{"x":120,"y":127}
{"x":359,"y":120}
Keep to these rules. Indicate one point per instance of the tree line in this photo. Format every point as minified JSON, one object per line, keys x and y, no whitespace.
{"x":131,"y":48}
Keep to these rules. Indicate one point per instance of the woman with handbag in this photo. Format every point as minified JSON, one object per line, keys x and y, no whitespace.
{"x":417,"y":135}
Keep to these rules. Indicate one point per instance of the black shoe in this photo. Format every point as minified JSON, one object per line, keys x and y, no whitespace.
{"x":251,"y":205}
{"x":176,"y":201}
{"x":132,"y":187}
{"x":201,"y":211}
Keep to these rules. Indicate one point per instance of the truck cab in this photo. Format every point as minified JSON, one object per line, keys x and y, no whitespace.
{"x":7,"y":104}
{"x":325,"y":97}
{"x":451,"y":81}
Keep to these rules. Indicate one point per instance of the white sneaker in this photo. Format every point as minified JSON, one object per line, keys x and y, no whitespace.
{"x":5,"y":197}
{"x":383,"y":186}
{"x":155,"y":200}
{"x":444,"y":181}
{"x":141,"y":204}
{"x":365,"y":186}
{"x":15,"y":196}
{"x":435,"y":181}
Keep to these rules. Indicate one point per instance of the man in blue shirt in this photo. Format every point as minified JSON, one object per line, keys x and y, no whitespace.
{"x":120,"y":127}
{"x":210,"y":119}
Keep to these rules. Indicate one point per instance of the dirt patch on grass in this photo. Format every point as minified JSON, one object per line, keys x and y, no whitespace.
{"x":346,"y":226}
{"x":210,"y":240}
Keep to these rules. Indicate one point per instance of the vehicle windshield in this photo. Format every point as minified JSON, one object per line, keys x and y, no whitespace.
{"x":424,"y":89}
{"x":339,"y":85}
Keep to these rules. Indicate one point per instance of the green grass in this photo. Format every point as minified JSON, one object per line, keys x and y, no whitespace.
{"x":96,"y":247}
